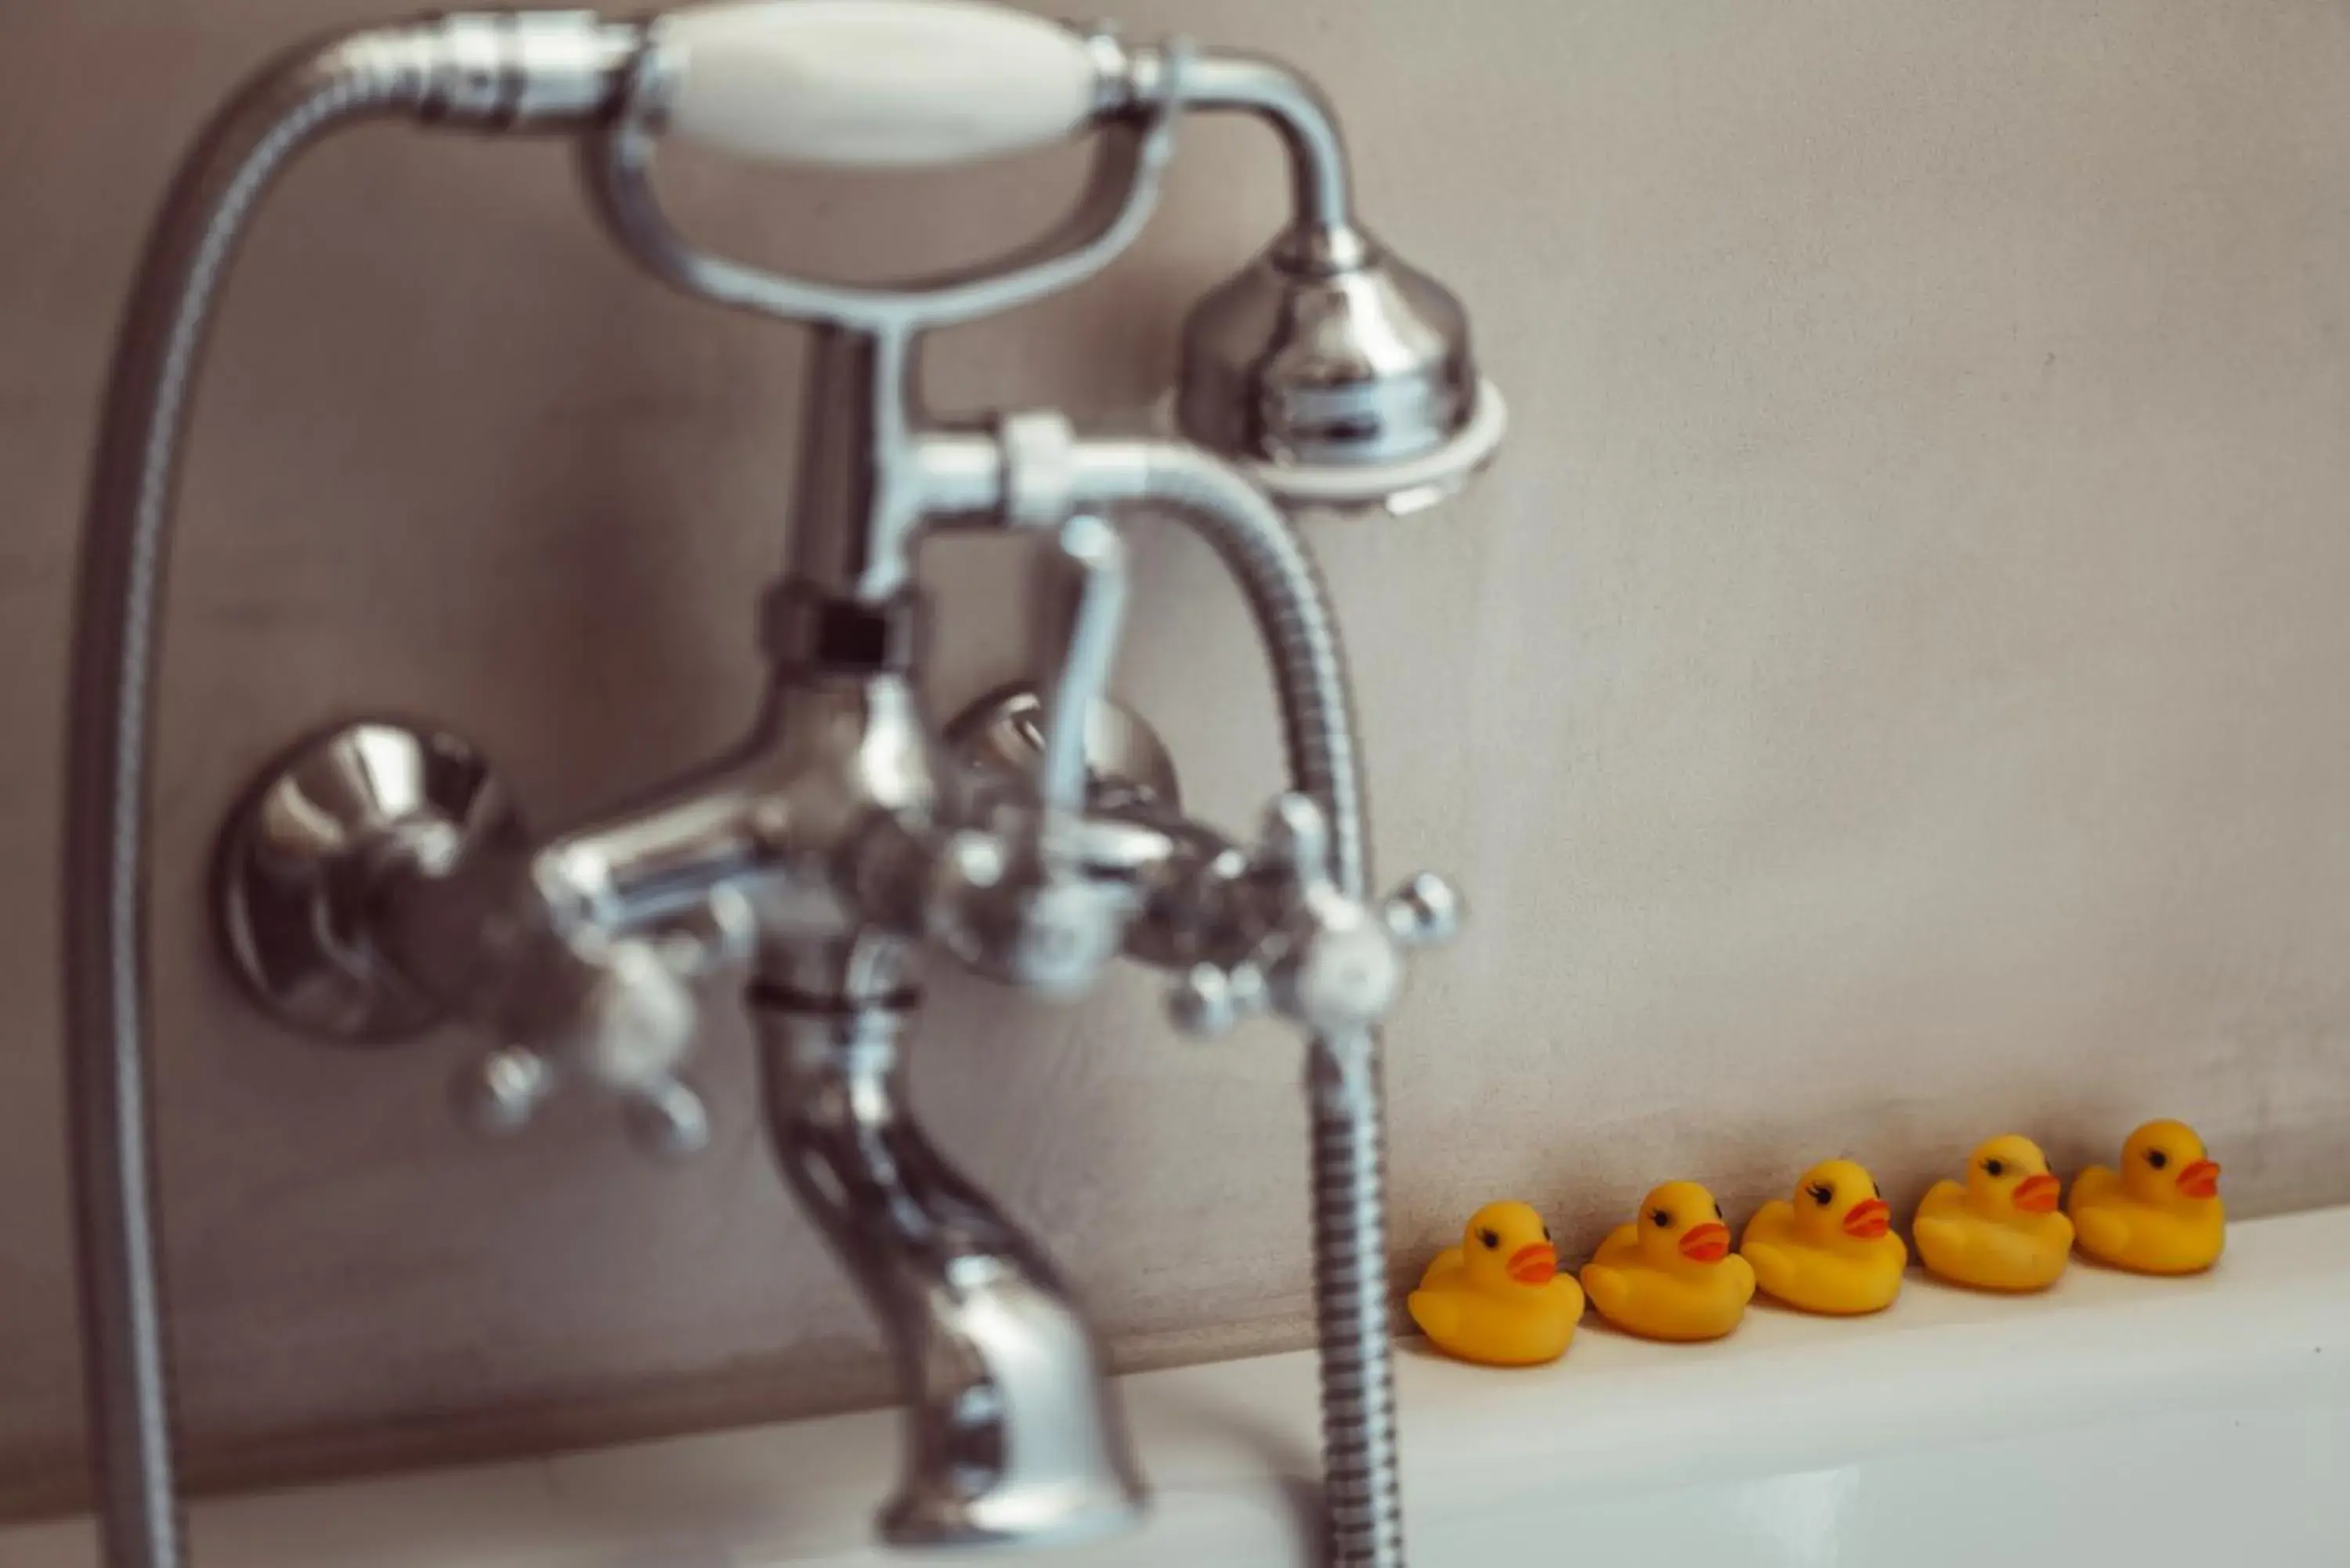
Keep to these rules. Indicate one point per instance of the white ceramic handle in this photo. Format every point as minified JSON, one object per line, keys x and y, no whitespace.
{"x":875,"y":84}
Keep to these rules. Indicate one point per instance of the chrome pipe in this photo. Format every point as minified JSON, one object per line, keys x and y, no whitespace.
{"x":856,"y":499}
{"x":461,"y":69}
{"x":110,"y":724}
{"x":1321,"y":187}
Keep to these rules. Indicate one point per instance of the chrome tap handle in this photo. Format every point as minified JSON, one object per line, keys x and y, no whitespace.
{"x":1330,"y":962}
{"x":1040,"y":897}
{"x":1042,"y":902}
{"x":1083,"y":591}
{"x":628,"y":1034}
{"x":616,"y":1014}
{"x":378,"y":883}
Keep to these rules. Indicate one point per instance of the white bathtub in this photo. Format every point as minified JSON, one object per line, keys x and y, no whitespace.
{"x":2115,"y":1420}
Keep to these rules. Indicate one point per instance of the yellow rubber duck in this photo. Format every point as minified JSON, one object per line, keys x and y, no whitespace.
{"x":1669,"y":1275}
{"x":2000,"y":1231}
{"x":1497,"y":1298}
{"x":1831,"y":1249}
{"x":2161,"y":1213}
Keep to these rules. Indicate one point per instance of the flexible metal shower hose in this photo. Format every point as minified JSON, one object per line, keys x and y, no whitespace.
{"x":1285,"y":592}
{"x":125,"y":550}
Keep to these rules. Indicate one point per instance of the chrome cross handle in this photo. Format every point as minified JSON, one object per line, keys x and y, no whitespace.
{"x":629,"y":1036}
{"x":1331,"y":963}
{"x":571,"y":1004}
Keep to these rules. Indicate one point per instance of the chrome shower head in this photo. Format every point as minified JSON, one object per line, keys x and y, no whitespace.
{"x":1333,"y":374}
{"x":1339,"y":377}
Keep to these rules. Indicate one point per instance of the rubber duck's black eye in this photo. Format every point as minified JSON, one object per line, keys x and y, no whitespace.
{"x":1493,"y":1239}
{"x":1545,"y":1233}
{"x":1822,"y":1193}
{"x":1876,"y":1191}
{"x":1717,"y":1211}
{"x":1662,"y":1217}
{"x":1994,"y":1167}
{"x":2157,"y":1158}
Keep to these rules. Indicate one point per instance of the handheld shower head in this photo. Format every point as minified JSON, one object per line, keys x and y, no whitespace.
{"x":1339,"y":377}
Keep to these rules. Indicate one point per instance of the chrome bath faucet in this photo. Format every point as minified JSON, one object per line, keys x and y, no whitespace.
{"x":376,"y":881}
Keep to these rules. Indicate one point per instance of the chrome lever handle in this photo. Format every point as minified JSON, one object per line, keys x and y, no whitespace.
{"x":1030,"y":898}
{"x":1083,"y":593}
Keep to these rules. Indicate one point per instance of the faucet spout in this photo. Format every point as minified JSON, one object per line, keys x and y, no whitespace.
{"x":1012,"y":1431}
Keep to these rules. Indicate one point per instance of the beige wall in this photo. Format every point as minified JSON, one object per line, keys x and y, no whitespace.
{"x":1890,"y":692}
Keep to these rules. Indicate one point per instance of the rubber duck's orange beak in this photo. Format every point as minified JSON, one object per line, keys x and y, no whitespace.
{"x":2201,"y":1179}
{"x":1537,"y":1264}
{"x":2037,"y":1194}
{"x":1868,"y":1219}
{"x":1706,"y":1243}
